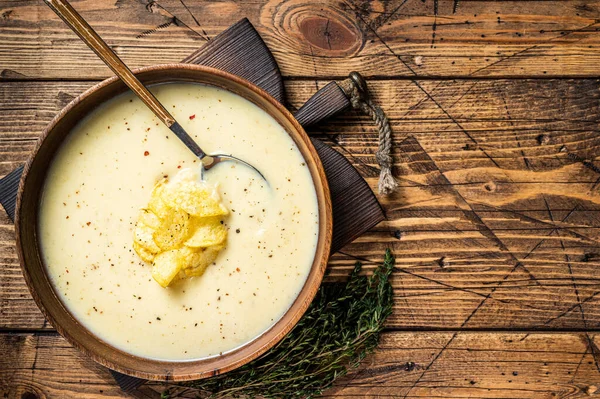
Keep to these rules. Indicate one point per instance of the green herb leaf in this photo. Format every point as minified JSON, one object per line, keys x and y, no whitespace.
{"x":339,"y":329}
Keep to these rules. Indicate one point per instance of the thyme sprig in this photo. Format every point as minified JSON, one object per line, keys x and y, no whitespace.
{"x":339,"y":329}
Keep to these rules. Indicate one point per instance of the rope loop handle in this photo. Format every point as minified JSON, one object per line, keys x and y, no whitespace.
{"x":355,"y":88}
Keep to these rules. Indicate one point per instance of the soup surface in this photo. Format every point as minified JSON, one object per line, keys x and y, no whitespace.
{"x":104,"y":174}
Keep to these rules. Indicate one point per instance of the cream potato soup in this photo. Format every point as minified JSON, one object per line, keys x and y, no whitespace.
{"x":104,"y":173}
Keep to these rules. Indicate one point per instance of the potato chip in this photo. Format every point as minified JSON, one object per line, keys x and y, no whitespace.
{"x":191,"y":257}
{"x":173,"y":229}
{"x":188,"y":255}
{"x":166,"y":267}
{"x":208,"y":256}
{"x":143,"y":235}
{"x":149,"y":218}
{"x":200,"y":260}
{"x":146,"y":255}
{"x":194,"y":272}
{"x":193,"y":198}
{"x":180,"y":231}
{"x":207,"y":231}
{"x":157,"y":205}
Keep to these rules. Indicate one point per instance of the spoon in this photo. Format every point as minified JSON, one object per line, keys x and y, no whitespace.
{"x":67,"y":13}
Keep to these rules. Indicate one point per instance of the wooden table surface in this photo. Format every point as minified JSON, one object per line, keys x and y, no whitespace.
{"x":496,"y":226}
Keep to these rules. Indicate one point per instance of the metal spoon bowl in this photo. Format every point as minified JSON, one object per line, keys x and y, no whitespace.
{"x":211,"y":160}
{"x":67,"y":13}
{"x":208,"y":160}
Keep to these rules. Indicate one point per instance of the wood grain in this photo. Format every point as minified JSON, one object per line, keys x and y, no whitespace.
{"x":90,"y":38}
{"x":498,"y":231}
{"x":396,"y":38}
{"x":497,"y":222}
{"x":407,"y":364}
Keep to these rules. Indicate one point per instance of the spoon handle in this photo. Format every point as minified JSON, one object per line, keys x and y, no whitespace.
{"x":67,"y":13}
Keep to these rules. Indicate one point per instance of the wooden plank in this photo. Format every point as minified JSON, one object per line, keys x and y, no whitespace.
{"x":476,"y":365}
{"x":46,"y":366}
{"x":386,"y":39}
{"x":498,"y":231}
{"x":407,"y":364}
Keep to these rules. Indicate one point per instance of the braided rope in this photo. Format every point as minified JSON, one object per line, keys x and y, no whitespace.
{"x":356,"y":91}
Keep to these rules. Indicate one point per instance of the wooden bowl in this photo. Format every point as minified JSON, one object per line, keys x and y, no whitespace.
{"x":34,"y":270}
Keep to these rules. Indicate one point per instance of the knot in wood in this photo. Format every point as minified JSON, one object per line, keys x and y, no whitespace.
{"x":328,"y":33}
{"x":321,"y":29}
{"x":490,"y":186}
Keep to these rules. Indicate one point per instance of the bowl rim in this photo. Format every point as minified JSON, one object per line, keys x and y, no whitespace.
{"x":277,"y":331}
